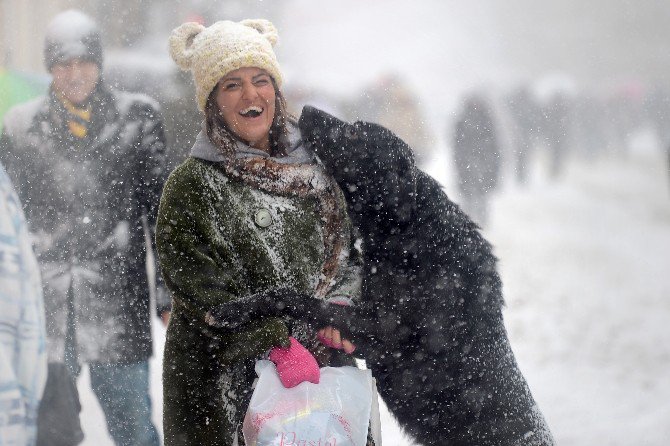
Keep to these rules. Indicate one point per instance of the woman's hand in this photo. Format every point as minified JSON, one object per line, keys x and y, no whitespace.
{"x":331,"y":337}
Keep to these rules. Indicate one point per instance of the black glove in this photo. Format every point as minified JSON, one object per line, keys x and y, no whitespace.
{"x":283,"y":302}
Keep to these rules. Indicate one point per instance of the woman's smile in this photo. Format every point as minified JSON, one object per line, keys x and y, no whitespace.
{"x":252,"y":112}
{"x":246,"y":98}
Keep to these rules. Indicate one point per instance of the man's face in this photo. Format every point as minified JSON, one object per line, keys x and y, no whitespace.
{"x":75,"y":79}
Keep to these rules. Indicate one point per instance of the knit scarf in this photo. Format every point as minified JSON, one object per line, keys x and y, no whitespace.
{"x":298,"y":180}
{"x":77,"y":118}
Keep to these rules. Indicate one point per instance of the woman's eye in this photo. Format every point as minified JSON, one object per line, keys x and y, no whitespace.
{"x":230,"y":86}
{"x":261,"y":82}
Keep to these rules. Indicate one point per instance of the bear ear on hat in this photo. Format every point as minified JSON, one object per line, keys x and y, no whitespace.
{"x":181,"y":43}
{"x":264,"y":27}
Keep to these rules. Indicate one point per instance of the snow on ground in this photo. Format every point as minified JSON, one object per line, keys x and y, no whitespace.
{"x":586,"y":268}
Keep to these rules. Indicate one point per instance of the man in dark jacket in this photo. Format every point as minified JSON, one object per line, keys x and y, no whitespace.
{"x":89,"y":166}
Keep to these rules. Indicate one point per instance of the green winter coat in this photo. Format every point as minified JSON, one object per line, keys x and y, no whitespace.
{"x":215,"y":245}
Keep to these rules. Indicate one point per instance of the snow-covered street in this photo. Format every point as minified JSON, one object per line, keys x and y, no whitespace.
{"x":587,"y":284}
{"x":585,"y":263}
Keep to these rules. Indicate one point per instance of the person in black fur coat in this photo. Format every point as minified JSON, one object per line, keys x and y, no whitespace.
{"x":430,"y":325}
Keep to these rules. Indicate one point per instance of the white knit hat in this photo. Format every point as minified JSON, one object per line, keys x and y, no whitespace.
{"x":212,"y":52}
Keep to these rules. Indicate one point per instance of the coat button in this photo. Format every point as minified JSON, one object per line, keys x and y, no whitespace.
{"x":263,"y":218}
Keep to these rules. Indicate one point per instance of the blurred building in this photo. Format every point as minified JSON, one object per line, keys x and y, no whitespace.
{"x":22,"y":26}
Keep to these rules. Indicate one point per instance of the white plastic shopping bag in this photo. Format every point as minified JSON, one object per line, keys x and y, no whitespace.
{"x":335,"y":412}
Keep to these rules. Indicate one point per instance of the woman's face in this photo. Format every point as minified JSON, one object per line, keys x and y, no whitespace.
{"x":246,"y":98}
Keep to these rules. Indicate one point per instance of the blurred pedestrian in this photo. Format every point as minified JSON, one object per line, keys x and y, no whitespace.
{"x":525,"y":116}
{"x":391,"y":102}
{"x":88,"y":163}
{"x":556,"y":130}
{"x":22,"y":334}
{"x":657,"y":106}
{"x":657,"y":109}
{"x":476,"y":154}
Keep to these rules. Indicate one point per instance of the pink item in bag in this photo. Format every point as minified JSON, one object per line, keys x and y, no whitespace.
{"x":295,"y":364}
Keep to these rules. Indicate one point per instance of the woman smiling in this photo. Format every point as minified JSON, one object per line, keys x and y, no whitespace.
{"x":250,"y":211}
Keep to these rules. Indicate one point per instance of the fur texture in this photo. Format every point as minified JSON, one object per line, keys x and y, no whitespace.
{"x":432,"y":297}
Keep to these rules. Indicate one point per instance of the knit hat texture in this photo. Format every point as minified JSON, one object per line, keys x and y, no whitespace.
{"x":212,"y":52}
{"x":72,"y":34}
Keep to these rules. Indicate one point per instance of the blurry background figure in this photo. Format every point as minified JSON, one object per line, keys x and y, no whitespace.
{"x":657,"y":106}
{"x":390,"y":101}
{"x":524,"y":117}
{"x":555,"y":131}
{"x":22,"y":334}
{"x":299,"y":96}
{"x":476,"y":154}
{"x":88,"y":163}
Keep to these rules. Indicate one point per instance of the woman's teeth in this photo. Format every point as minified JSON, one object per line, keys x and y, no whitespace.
{"x":251,"y":112}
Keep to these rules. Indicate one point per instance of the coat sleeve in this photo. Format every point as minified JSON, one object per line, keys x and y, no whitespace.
{"x":153,"y":174}
{"x":198,"y":274}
